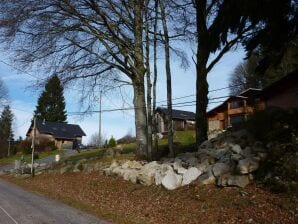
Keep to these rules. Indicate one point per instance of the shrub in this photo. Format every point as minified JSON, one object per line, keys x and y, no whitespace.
{"x":274,"y":124}
{"x":126,"y":139}
{"x":45,"y":145}
{"x":25,"y":147}
{"x":112,"y":142}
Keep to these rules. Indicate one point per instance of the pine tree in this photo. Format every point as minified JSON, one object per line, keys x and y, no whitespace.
{"x":6,"y":132}
{"x":51,"y":103}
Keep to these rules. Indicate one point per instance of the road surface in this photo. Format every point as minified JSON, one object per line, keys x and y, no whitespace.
{"x":18,"y":206}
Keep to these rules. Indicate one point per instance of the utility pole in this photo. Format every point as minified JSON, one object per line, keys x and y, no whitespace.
{"x":99,"y":128}
{"x":33,"y":146}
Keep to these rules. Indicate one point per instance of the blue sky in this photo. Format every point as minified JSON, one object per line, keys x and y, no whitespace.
{"x":23,"y":96}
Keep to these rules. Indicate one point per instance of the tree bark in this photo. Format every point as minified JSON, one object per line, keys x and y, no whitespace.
{"x":149,"y":86}
{"x":138,"y":82}
{"x":155,"y":80}
{"x":202,"y":56}
{"x":169,"y":79}
{"x":140,"y":119}
{"x":202,"y":99}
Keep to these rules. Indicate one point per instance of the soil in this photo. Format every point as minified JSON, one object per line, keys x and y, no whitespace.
{"x":120,"y":201}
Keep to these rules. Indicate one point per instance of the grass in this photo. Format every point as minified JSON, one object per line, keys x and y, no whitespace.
{"x":183,"y":141}
{"x":93,"y":153}
{"x":27,"y":157}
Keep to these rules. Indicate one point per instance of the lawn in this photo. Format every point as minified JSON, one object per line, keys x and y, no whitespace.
{"x":27,"y":157}
{"x":183,"y":141}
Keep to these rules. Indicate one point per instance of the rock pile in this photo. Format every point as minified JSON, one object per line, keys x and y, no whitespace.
{"x":227,"y":160}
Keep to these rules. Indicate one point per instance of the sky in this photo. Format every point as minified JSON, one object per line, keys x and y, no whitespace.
{"x":23,"y":97}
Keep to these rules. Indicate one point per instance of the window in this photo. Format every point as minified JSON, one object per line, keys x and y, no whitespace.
{"x":237,"y":119}
{"x":236,"y":104}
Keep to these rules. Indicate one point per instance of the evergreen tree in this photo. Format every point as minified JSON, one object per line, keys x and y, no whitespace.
{"x":51,"y":103}
{"x":6,"y":132}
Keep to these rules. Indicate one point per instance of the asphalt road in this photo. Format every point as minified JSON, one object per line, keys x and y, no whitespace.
{"x":18,"y":206}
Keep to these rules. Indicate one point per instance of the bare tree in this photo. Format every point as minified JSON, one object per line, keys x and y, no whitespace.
{"x":245,"y":76}
{"x":155,"y":26}
{"x":166,"y":43}
{"x":81,"y":40}
{"x":96,"y":140}
{"x":148,"y":79}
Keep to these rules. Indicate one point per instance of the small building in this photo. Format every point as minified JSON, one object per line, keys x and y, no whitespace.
{"x":182,"y":120}
{"x":62,"y":134}
{"x":236,"y":109}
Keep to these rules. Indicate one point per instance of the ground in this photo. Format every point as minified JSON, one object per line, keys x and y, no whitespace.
{"x":21,"y":206}
{"x":123,"y":202}
{"x":119,"y":201}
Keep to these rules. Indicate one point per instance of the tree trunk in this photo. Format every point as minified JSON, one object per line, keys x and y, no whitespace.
{"x":155,"y":81}
{"x":140,"y":119}
{"x":138,"y":82}
{"x":202,"y":55}
{"x":202,"y":102}
{"x":169,"y":80}
{"x":149,"y":86}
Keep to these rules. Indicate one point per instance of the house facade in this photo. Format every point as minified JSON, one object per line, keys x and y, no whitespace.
{"x":182,"y":120}
{"x":62,"y":134}
{"x":236,"y":109}
{"x":283,"y":93}
{"x":233,"y":111}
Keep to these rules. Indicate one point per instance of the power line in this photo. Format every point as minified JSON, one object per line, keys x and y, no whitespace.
{"x":20,"y":70}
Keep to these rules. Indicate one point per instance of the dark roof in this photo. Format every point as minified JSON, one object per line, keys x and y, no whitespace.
{"x":178,"y":114}
{"x":251,"y":92}
{"x":59,"y":130}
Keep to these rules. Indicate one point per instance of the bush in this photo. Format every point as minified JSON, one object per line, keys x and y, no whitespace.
{"x":112,"y":142}
{"x":274,"y":124}
{"x":280,"y":128}
{"x":126,"y":139}
{"x":25,"y":147}
{"x":45,"y":145}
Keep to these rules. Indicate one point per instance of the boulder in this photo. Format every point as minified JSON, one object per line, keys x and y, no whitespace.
{"x":130,"y":175}
{"x":177,"y":164}
{"x":192,"y":161}
{"x":132,"y":165}
{"x":190,"y":175}
{"x":233,"y":180}
{"x":65,"y":169}
{"x":181,"y":170}
{"x":114,"y":164}
{"x":248,"y":165}
{"x":236,"y":157}
{"x":161,"y":172}
{"x":203,"y":166}
{"x":235,"y":148}
{"x":206,"y":145}
{"x":207,"y":178}
{"x":147,"y":173}
{"x":220,"y":168}
{"x":247,"y":152}
{"x":171,"y":181}
{"x":118,"y":171}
